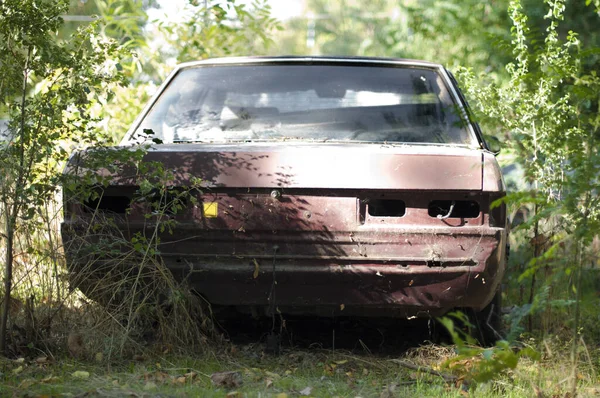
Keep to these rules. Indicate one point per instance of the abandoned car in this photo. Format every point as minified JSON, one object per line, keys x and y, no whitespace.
{"x":326,"y":186}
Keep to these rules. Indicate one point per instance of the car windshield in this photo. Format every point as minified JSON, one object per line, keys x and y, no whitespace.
{"x":309,"y":103}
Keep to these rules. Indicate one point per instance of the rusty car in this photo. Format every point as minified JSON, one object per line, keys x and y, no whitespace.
{"x":330,"y":186}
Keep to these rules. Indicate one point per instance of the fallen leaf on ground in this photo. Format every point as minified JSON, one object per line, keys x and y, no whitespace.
{"x":234,"y":394}
{"x":191,"y":375}
{"x":181,"y":380}
{"x":272,"y":375}
{"x":388,"y":392}
{"x":50,"y":379}
{"x":81,"y":374}
{"x":17,"y":370}
{"x":157,"y":376}
{"x":306,"y":392}
{"x":99,"y":357}
{"x":25,"y":384}
{"x":281,"y":395}
{"x":149,"y":386}
{"x":41,"y":360}
{"x":226,"y":379}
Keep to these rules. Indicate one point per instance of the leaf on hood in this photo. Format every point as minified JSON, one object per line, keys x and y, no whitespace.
{"x":256,"y":268}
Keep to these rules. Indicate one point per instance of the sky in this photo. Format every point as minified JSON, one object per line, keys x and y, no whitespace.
{"x":284,"y":9}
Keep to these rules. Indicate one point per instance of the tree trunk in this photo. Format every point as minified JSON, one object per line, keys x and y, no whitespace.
{"x":12,"y":208}
{"x":8,"y":268}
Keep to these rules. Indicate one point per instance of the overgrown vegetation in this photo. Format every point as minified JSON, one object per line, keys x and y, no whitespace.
{"x":71,"y":93}
{"x":48,"y":89}
{"x":549,"y":111}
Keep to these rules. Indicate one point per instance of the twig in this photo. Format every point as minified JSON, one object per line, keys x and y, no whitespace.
{"x":359,"y":359}
{"x":447,"y":377}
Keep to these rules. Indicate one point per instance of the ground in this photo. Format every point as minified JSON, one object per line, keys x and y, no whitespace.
{"x":414,"y":369}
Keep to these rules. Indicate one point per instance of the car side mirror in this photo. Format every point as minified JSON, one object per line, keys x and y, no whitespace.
{"x":493,"y":144}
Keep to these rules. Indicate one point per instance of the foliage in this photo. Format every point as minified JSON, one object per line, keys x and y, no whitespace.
{"x":452,"y":32}
{"x":549,"y":110}
{"x":124,"y":272}
{"x":351,"y":27}
{"x":48,"y":88}
{"x":222,"y":29}
{"x":481,"y":365}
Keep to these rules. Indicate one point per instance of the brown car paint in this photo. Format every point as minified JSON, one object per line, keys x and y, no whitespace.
{"x":306,"y":214}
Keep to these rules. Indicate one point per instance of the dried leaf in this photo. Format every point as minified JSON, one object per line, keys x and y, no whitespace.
{"x":99,"y":357}
{"x":269,"y":382}
{"x":226,"y":379}
{"x":256,"y":268}
{"x":18,"y":370}
{"x":234,"y":394}
{"x":181,"y":380}
{"x":160,"y":376}
{"x":191,"y":375}
{"x":388,"y":392}
{"x":272,"y":375}
{"x":41,"y":360}
{"x":306,"y":391}
{"x":149,"y":386}
{"x":50,"y":379}
{"x":81,"y":374}
{"x":25,"y":384}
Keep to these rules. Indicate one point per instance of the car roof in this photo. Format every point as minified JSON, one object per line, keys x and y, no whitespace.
{"x":324,"y":60}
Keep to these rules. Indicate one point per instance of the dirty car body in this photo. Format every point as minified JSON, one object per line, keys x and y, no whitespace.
{"x":330,"y":186}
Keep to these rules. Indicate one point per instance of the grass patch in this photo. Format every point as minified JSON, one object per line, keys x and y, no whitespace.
{"x":317,"y":373}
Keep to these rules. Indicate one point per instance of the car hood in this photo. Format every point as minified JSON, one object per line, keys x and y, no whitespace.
{"x":325,"y":165}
